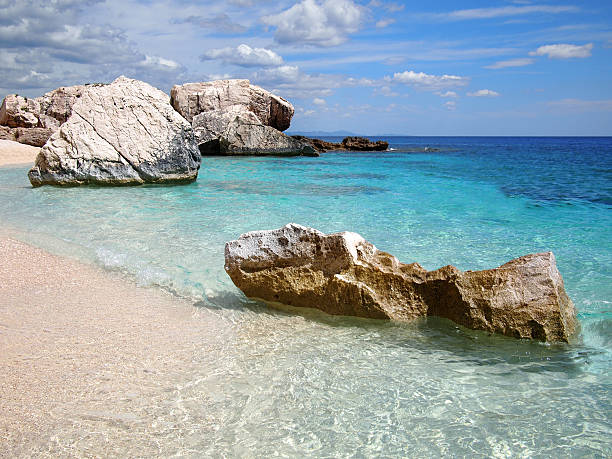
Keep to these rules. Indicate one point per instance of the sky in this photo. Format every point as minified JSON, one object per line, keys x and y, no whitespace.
{"x":372,"y":67}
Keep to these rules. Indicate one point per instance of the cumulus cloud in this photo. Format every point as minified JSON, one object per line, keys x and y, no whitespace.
{"x":244,"y":56}
{"x":447,"y":94}
{"x":503,"y":11}
{"x":483,"y":93}
{"x":318,"y":101}
{"x":159,"y":63}
{"x":521,"y":62}
{"x":427,"y":82}
{"x":563,"y":51}
{"x":326,"y":23}
{"x":46,"y":44}
{"x":291,"y":81}
{"x":450,"y":105}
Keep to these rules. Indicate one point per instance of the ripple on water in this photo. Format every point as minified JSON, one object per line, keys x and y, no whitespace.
{"x":313,"y":385}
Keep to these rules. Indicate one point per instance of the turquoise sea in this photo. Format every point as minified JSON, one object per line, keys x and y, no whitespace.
{"x":320,"y":386}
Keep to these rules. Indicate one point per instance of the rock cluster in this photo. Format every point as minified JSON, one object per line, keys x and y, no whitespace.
{"x":343,"y":274}
{"x":122,"y":133}
{"x":348,"y":144}
{"x":33,"y":121}
{"x":234,"y":117}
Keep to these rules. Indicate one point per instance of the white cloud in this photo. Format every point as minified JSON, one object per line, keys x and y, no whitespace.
{"x":218,"y":76}
{"x":427,"y":82}
{"x":384,"y":23}
{"x":450,"y":105}
{"x":318,"y":101}
{"x":244,"y":56}
{"x":46,"y":44}
{"x":291,"y":81}
{"x":160,"y":63}
{"x":311,"y":22}
{"x":385,"y":91}
{"x":521,"y":62}
{"x":447,"y":94}
{"x":563,"y":51}
{"x":483,"y":93}
{"x":394,"y":7}
{"x":504,"y":11}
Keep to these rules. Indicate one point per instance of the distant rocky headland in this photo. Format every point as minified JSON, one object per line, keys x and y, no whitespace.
{"x":128,"y":132}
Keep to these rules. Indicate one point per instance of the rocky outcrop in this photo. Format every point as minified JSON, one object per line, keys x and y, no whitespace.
{"x":191,"y":99}
{"x":343,"y":274}
{"x":17,"y":111}
{"x":35,"y":136}
{"x":33,"y":121}
{"x":363,"y":144}
{"x":234,"y":117}
{"x":118,"y":134}
{"x":237,"y":131}
{"x":319,"y":145}
{"x":348,"y":144}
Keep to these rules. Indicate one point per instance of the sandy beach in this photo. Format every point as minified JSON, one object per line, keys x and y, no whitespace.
{"x":12,"y":153}
{"x":80,"y":348}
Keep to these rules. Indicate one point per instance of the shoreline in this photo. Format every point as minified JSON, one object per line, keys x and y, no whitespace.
{"x":80,"y":345}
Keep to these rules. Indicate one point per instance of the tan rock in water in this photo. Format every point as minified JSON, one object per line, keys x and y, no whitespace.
{"x":343,"y":274}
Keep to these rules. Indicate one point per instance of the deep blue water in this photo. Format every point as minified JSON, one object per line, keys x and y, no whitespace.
{"x":322,"y":386}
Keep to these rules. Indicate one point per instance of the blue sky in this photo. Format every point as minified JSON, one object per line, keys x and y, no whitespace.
{"x":373,"y":67}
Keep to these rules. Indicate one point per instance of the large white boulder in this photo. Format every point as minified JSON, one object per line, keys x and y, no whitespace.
{"x":125,"y":132}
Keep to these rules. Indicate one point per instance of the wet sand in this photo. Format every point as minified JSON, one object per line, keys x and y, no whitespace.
{"x":90,"y":360}
{"x":17,"y":153}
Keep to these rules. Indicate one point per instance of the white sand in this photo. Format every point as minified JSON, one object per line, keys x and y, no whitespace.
{"x":17,"y":153}
{"x":86,"y":355}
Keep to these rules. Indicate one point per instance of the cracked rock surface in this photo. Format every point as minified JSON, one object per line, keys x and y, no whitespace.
{"x":234,"y":117}
{"x":119,"y":134}
{"x":33,"y":121}
{"x":343,"y":274}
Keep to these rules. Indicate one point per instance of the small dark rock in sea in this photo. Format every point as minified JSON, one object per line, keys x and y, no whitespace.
{"x":348,"y":143}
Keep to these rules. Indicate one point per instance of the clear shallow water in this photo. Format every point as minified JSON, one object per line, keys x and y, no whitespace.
{"x":294,"y":385}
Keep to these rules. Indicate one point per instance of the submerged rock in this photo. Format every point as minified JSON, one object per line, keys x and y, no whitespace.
{"x":343,"y":274}
{"x":33,"y":121}
{"x":234,"y":117}
{"x":122,"y":133}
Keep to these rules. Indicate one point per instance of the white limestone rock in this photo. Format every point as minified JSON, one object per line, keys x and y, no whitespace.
{"x":191,"y":99}
{"x":122,"y":133}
